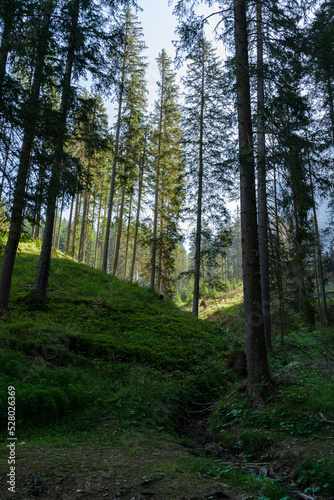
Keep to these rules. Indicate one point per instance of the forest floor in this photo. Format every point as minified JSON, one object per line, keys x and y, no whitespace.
{"x":121,"y":395}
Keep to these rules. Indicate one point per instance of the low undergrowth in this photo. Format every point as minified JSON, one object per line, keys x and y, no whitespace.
{"x":261,"y":487}
{"x":99,"y":345}
{"x":101,"y":357}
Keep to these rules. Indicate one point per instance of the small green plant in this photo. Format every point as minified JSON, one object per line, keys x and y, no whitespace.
{"x":249,"y":442}
{"x":236,"y":476}
{"x":317,"y":475}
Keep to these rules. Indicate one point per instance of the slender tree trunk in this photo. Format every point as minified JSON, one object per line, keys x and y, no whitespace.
{"x":127,"y":240}
{"x":69,"y":227}
{"x":197,"y":267}
{"x":60,"y":221}
{"x":119,"y":233}
{"x":75,"y":225}
{"x":83,"y":232}
{"x":115,"y":235}
{"x":318,"y":256}
{"x":114,"y":173}
{"x":258,"y":386}
{"x":91,"y":238}
{"x":84,"y":222}
{"x":43,"y":270}
{"x":141,"y":174}
{"x":29,"y":131}
{"x":279,"y":267}
{"x":157,"y":184}
{"x":55,"y":226}
{"x":38,"y":201}
{"x":262,"y":183}
{"x":9,"y":21}
{"x":160,"y":245}
{"x":97,"y":232}
{"x":160,"y":242}
{"x":103,"y":237}
{"x":4,"y":169}
{"x":331,"y":104}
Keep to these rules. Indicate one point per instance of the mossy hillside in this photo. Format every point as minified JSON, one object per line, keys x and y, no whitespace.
{"x":99,"y":345}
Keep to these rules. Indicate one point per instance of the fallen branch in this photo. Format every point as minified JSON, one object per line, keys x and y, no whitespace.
{"x":321,"y":415}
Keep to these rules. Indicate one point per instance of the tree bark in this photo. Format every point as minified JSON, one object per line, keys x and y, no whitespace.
{"x":5,"y":47}
{"x":29,"y":131}
{"x":331,"y":104}
{"x":119,"y":233}
{"x":279,"y":268}
{"x":259,"y":382}
{"x":75,"y":224}
{"x":43,"y":270}
{"x":141,"y":175}
{"x":60,"y":221}
{"x":262,"y":183}
{"x":318,"y":256}
{"x":97,"y":233}
{"x":197,"y":267}
{"x":157,"y":183}
{"x":83,"y":233}
{"x":103,"y":235}
{"x":127,"y":240}
{"x":69,"y":227}
{"x":114,"y":173}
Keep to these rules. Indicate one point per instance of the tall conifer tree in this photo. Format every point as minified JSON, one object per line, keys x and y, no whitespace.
{"x":168,"y":177}
{"x":205,"y":123}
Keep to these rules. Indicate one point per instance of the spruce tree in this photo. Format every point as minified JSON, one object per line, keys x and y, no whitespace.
{"x":131,"y":92}
{"x":31,"y":117}
{"x":133,"y":118}
{"x":258,"y":385}
{"x":168,"y":174}
{"x":205,"y":123}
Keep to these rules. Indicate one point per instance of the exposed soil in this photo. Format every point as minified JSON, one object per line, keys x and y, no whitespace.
{"x":278,"y":462}
{"x":139,"y":466}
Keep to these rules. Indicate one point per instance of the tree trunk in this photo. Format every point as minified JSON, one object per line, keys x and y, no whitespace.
{"x":55,"y":225}
{"x":4,"y":169}
{"x":331,"y":104}
{"x":157,"y":183}
{"x":259,"y":382}
{"x":141,"y":175}
{"x":60,"y":221}
{"x":91,"y":237}
{"x":318,"y":256}
{"x":262,"y":183}
{"x":113,"y":175}
{"x":43,"y":270}
{"x":29,"y":130}
{"x":83,"y":233}
{"x":75,"y":224}
{"x":127,"y":239}
{"x":69,"y":227}
{"x":103,"y":236}
{"x":119,"y":233}
{"x":197,"y":267}
{"x":9,"y":22}
{"x":97,"y":233}
{"x":279,"y":268}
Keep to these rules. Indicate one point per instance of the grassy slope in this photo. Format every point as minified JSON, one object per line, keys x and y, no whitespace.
{"x":106,"y":372}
